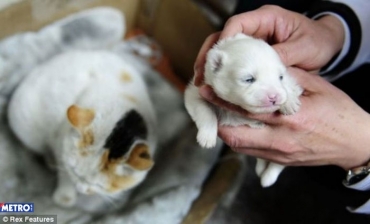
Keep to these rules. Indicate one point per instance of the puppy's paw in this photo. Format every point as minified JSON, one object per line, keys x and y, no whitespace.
{"x":291,"y":106}
{"x":271,"y":174}
{"x":260,"y":167}
{"x":268,"y":179}
{"x":65,"y":197}
{"x":207,"y":138}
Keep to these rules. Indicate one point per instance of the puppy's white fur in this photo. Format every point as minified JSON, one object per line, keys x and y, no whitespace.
{"x":246,"y":72}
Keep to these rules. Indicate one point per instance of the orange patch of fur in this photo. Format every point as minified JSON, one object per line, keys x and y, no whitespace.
{"x":120,"y":183}
{"x":115,"y":182}
{"x":86,"y":140}
{"x":140,"y":158}
{"x":126,"y":77}
{"x":80,"y":117}
{"x":130,"y":98}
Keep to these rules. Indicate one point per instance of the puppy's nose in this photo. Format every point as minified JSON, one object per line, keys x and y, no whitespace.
{"x":272,"y":98}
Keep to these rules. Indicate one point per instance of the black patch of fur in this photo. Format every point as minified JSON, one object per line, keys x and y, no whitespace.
{"x":127,"y":130}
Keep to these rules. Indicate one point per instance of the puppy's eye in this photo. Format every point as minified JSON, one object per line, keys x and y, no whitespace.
{"x":250,"y":80}
{"x":281,"y":77}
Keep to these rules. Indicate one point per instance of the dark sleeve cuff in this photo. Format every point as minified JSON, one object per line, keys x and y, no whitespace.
{"x":353,"y":23}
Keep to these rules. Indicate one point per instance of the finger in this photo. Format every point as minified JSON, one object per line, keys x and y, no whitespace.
{"x":260,"y":23}
{"x":314,"y":72}
{"x":208,"y":94}
{"x":311,"y":83}
{"x":289,"y":55}
{"x":201,"y":58}
{"x":288,"y":52}
{"x":247,"y":137}
{"x":282,"y":158}
{"x":248,"y":23}
{"x":265,"y":154}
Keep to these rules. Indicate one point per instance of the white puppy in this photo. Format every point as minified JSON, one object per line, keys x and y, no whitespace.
{"x":249,"y":73}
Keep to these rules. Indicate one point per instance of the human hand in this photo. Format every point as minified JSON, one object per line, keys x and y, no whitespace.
{"x":329,"y":129}
{"x":300,"y":41}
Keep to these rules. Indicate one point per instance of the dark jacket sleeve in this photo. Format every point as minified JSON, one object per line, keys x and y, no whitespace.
{"x":355,"y":17}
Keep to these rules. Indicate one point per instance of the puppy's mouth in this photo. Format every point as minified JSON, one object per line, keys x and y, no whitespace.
{"x":264,"y":109}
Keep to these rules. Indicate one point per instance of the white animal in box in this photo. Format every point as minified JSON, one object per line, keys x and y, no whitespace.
{"x":249,"y":73}
{"x":91,"y":111}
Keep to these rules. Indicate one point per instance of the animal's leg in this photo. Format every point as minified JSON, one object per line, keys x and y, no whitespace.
{"x":204,"y":116}
{"x":65,"y":194}
{"x":270,"y":175}
{"x":260,"y":166}
{"x":292,"y":104}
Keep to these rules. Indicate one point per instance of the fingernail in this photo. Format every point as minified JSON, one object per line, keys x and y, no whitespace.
{"x":196,"y":79}
{"x":206,"y":92}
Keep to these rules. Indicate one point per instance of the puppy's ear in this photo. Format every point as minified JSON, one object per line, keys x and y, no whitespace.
{"x":140,"y":158}
{"x":216,"y":59}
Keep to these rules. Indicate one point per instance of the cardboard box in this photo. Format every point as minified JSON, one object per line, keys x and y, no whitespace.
{"x":178,"y":26}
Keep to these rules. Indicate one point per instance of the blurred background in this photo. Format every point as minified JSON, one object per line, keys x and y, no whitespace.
{"x":223,"y":187}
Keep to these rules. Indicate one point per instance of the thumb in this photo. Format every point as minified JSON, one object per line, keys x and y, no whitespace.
{"x":200,"y":61}
{"x":307,"y":81}
{"x":289,"y":52}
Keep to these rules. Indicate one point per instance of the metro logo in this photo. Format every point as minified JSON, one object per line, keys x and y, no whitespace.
{"x":16,"y":207}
